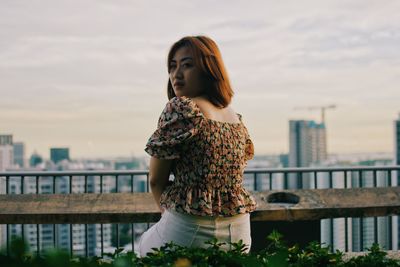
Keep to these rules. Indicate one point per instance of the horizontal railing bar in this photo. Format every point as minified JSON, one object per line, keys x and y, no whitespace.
{"x":75,"y":173}
{"x":248,"y":170}
{"x":324,"y":169}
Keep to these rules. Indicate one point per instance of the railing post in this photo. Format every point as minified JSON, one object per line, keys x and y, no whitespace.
{"x":86,"y":241}
{"x":101,"y":239}
{"x":117,"y":234}
{"x":300,"y":180}
{"x":255,"y":184}
{"x":8,"y":239}
{"x":315,"y":180}
{"x":132,"y":184}
{"x":22,"y":192}
{"x":361,"y":233}
{"x":147,"y":183}
{"x":70,"y":184}
{"x":7,"y":185}
{"x":133,"y":236}
{"x":346,"y":220}
{"x":101,"y":183}
{"x":285,"y":181}
{"x":71,"y":242}
{"x":22,"y":184}
{"x":390,"y":233}
{"x":54,"y":184}
{"x":270,"y":180}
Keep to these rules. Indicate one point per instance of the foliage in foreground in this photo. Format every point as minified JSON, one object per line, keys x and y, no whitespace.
{"x":276,"y":254}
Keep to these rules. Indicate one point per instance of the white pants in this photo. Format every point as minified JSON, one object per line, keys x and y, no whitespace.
{"x":192,"y":231}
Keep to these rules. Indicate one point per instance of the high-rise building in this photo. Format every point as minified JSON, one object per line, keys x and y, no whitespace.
{"x":307,"y":143}
{"x":6,"y":152}
{"x":307,"y":146}
{"x":59,"y":154}
{"x":19,"y":154}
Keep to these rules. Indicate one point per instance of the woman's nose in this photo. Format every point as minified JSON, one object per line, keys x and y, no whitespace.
{"x":177,"y":73}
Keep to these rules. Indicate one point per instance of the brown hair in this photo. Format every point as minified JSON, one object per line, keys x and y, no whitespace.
{"x":208,"y":57}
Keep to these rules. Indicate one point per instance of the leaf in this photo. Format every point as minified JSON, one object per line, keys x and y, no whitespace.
{"x":279,"y":259}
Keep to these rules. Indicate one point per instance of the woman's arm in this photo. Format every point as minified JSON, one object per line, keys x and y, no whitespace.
{"x":158,"y":176}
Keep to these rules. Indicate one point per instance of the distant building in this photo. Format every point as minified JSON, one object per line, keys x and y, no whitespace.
{"x":6,"y":139}
{"x":307,"y":143}
{"x":307,"y":146}
{"x":6,"y":152}
{"x":284,"y":160}
{"x":19,"y":154}
{"x":35,"y":159}
{"x":131,"y":164}
{"x":59,"y":154}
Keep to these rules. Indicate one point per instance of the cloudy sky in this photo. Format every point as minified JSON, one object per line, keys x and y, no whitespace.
{"x":91,"y":75}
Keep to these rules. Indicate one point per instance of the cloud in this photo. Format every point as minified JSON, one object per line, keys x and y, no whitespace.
{"x":95,"y":64}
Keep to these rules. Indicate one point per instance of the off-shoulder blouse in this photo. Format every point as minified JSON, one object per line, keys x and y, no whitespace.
{"x":209,"y":161}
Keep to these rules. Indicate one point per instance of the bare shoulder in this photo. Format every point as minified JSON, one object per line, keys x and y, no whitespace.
{"x":202,"y":102}
{"x":226,"y":114}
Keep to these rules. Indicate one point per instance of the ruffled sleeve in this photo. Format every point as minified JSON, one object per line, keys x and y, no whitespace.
{"x":249,"y":147}
{"x":179,"y":121}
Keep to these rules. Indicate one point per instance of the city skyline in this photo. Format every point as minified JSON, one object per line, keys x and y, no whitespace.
{"x":89,"y":75}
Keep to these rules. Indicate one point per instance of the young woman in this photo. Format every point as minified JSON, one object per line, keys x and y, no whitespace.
{"x":204,"y":143}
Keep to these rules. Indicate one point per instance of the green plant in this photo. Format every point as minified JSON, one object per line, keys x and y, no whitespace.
{"x":276,"y":254}
{"x":375,"y":258}
{"x":313,"y":255}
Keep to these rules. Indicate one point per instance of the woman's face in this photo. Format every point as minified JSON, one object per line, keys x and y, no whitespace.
{"x":186,"y":78}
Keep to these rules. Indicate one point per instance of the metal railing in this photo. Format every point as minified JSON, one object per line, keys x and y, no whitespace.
{"x":85,"y":184}
{"x":69,"y":182}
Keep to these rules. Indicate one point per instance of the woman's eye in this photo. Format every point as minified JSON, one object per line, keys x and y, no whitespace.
{"x":186,"y":65}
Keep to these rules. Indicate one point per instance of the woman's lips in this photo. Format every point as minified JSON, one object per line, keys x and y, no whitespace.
{"x":178,"y":84}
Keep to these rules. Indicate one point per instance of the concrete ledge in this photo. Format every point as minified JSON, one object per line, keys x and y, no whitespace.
{"x":312,"y":204}
{"x":78,"y":208}
{"x":316,"y":204}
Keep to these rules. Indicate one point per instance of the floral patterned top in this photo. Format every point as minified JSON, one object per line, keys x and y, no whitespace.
{"x":210,"y":157}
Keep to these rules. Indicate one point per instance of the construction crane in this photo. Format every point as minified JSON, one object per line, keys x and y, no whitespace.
{"x":322,"y":108}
